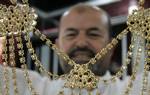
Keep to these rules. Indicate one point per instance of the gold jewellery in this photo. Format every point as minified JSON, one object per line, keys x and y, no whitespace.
{"x":18,"y":20}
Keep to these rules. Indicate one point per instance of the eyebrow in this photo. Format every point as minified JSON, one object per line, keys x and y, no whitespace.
{"x":71,"y":29}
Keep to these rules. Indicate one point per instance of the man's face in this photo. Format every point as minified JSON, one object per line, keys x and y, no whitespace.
{"x":83,"y":35}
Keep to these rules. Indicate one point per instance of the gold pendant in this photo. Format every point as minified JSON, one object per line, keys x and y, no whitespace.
{"x":81,"y":77}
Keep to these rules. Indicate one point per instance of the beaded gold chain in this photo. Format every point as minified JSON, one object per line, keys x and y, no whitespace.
{"x":5,"y":71}
{"x":135,"y":68}
{"x":13,"y":63}
{"x":23,"y":65}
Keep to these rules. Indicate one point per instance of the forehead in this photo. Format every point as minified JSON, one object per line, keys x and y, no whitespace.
{"x":84,"y":19}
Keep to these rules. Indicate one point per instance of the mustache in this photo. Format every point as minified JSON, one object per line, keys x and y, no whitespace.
{"x":89,"y":51}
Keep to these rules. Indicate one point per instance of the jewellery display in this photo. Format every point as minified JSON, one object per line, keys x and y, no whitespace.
{"x":18,"y":20}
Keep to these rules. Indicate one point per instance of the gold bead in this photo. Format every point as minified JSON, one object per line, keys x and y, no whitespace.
{"x":25,"y":1}
{"x":19,"y":46}
{"x":34,"y":57}
{"x":141,"y":2}
{"x":13,"y":1}
{"x":48,"y":42}
{"x":21,"y":52}
{"x":22,"y":66}
{"x":92,"y":61}
{"x":109,"y":46}
{"x":43,"y":37}
{"x":5,"y":64}
{"x":31,"y":50}
{"x":22,"y":60}
{"x":98,"y":56}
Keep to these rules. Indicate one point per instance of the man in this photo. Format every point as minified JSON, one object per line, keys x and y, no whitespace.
{"x":84,"y":31}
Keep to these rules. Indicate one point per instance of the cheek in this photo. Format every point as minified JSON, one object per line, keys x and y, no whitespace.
{"x":65,"y":45}
{"x":98,"y":45}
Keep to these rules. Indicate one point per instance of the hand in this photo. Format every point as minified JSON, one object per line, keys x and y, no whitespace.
{"x":1,"y":48}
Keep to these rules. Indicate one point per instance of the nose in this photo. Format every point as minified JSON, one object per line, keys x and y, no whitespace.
{"x":81,"y":40}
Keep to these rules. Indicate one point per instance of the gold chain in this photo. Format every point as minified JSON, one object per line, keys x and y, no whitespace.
{"x":93,"y":60}
{"x":35,"y":58}
{"x":6,"y":81}
{"x":29,"y":81}
{"x":5,"y":71}
{"x":23,"y":65}
{"x":25,"y":1}
{"x":135,"y":68}
{"x":148,"y":47}
{"x":141,"y":3}
{"x":123,"y":67}
{"x":12,"y":62}
{"x":144,"y":89}
{"x":13,"y":1}
{"x":54,"y":47}
{"x":70,"y":61}
{"x":111,"y":45}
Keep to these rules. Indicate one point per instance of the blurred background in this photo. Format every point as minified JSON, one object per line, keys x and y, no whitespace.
{"x":49,"y":13}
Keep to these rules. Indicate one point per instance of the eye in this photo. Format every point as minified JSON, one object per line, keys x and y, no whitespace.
{"x":70,"y":34}
{"x":94,"y":33}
